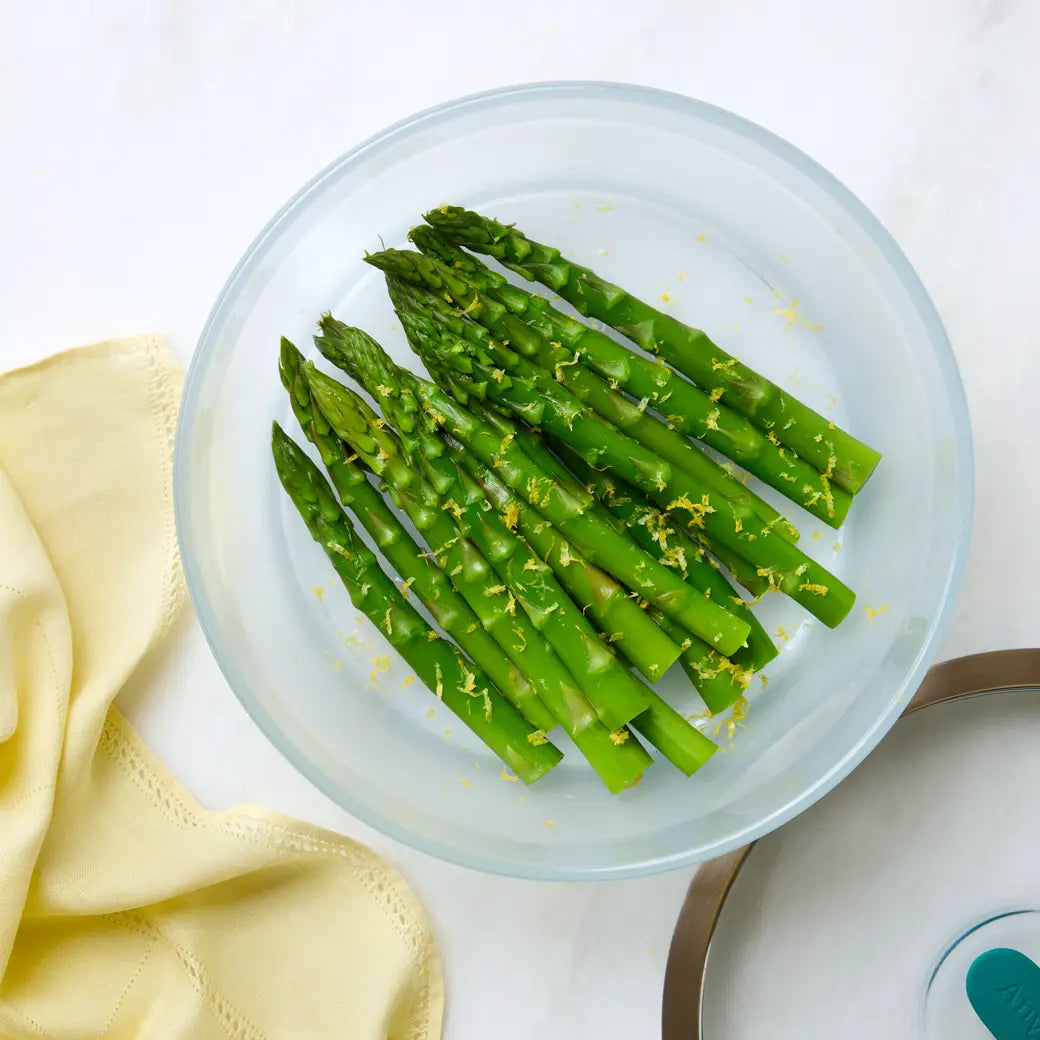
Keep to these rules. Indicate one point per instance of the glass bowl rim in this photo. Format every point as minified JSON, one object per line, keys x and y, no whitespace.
{"x":951,"y":386}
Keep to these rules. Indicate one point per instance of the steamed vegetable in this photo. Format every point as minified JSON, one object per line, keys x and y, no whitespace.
{"x":456,"y":681}
{"x":836,"y":454}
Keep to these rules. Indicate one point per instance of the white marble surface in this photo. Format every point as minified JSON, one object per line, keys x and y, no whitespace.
{"x":144,"y":144}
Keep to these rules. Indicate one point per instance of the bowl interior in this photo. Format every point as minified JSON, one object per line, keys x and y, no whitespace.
{"x":732,"y":231}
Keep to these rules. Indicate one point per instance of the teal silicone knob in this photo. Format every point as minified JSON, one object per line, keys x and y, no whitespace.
{"x":1004,"y":989}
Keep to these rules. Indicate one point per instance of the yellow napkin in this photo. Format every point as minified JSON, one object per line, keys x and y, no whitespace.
{"x":127,"y":910}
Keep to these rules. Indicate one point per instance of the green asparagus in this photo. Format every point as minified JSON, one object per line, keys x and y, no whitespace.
{"x":836,"y":454}
{"x":600,"y":542}
{"x":419,"y":572}
{"x":613,"y":691}
{"x":539,"y":400}
{"x":718,"y":679}
{"x":626,"y":627}
{"x":459,"y":684}
{"x":673,"y":546}
{"x":566,"y":367}
{"x":685,"y":406}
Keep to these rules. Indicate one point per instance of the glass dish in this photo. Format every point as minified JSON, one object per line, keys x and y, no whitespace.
{"x":737,"y":232}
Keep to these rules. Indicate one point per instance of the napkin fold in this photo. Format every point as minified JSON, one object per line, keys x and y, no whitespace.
{"x":126,"y":909}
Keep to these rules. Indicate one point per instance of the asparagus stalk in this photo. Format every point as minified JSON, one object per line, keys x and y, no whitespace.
{"x":538,"y":399}
{"x":366,"y":361}
{"x":619,"y":618}
{"x":617,"y":696}
{"x":470,"y":573}
{"x":416,"y":568}
{"x":423,"y":274}
{"x":652,"y":530}
{"x":839,"y":457}
{"x":459,"y":684}
{"x":718,"y":679}
{"x":685,"y":406}
{"x":693,"y":547}
{"x":682,"y":744}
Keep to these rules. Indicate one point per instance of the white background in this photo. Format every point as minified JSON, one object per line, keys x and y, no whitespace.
{"x":142,"y":146}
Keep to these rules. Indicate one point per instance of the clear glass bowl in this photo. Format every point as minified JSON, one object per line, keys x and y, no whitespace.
{"x":737,"y":232}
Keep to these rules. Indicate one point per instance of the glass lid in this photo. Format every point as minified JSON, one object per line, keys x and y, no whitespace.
{"x":906,"y":904}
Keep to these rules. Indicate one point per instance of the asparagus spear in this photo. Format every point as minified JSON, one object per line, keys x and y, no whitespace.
{"x":459,"y":684}
{"x":470,"y":572}
{"x":626,"y":627}
{"x":419,"y":572}
{"x":367,"y":362}
{"x":685,"y":406}
{"x":652,"y":530}
{"x":617,"y":696}
{"x":682,"y":744}
{"x":588,"y":387}
{"x":538,"y":399}
{"x":836,"y":454}
{"x":697,"y":547}
{"x":718,"y":679}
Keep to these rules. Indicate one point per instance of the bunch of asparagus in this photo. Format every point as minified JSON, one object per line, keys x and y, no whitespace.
{"x":574,"y":530}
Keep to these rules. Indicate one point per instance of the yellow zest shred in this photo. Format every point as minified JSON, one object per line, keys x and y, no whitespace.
{"x":619,"y":736}
{"x":537,"y":738}
{"x":408,"y":680}
{"x":872,"y":612}
{"x":511,"y":777}
{"x":818,"y":590}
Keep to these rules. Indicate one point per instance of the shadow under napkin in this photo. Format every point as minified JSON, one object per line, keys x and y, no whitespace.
{"x":126,"y":909}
